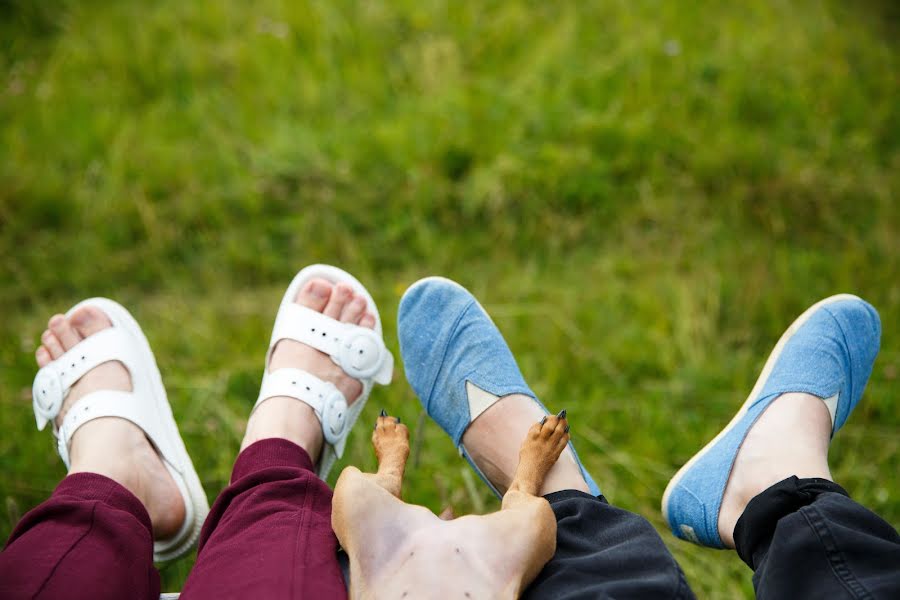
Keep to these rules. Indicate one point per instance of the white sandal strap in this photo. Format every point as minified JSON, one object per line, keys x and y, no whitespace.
{"x":106,"y":403}
{"x":359,"y":351}
{"x":323,"y":397}
{"x":53,"y":382}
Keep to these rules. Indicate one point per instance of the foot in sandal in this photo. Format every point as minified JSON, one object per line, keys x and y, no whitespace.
{"x":325,"y":315}
{"x":105,"y":413}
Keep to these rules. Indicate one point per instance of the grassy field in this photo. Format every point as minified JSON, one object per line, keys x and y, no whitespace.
{"x":644,"y":194}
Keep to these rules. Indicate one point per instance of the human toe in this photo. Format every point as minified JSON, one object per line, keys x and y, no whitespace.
{"x":52,"y":344}
{"x":315,"y":294}
{"x":64,"y":332}
{"x":42,"y":355}
{"x":340,"y":296}
{"x":353,"y":310}
{"x":89,"y":320}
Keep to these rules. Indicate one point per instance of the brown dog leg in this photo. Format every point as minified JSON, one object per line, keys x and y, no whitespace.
{"x":368,"y":517}
{"x":391,"y":441}
{"x":526,"y":522}
{"x":540,"y":450}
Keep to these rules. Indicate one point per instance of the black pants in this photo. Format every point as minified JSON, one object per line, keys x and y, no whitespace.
{"x":804,"y":538}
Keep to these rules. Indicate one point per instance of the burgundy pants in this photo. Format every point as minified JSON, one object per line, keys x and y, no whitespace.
{"x":268,"y":535}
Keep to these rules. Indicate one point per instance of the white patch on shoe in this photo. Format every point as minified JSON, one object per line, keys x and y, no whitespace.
{"x":831,"y":403}
{"x":688,"y":532}
{"x":479,"y":400}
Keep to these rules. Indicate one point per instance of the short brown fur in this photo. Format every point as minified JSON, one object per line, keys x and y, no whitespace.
{"x":399,"y":550}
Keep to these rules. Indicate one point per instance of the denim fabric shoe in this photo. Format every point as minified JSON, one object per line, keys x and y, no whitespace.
{"x":456,"y":359}
{"x":827,"y":352}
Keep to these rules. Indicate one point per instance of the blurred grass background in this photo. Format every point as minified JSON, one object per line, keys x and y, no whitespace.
{"x":644,"y":194}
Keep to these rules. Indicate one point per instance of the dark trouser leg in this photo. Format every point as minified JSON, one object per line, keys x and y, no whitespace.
{"x":605,"y":552}
{"x":268,"y":535}
{"x":806,"y":538}
{"x":91,"y":539}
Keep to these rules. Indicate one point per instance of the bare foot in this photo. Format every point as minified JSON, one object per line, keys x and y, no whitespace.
{"x":111,"y":446}
{"x":543,"y":444}
{"x":288,"y":418}
{"x":494,"y":438}
{"x":790,"y":438}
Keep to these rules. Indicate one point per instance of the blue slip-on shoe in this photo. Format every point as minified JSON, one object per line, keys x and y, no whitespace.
{"x":457,"y":361}
{"x":827,"y":352}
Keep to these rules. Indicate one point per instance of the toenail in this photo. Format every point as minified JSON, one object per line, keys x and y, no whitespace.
{"x":318,"y":290}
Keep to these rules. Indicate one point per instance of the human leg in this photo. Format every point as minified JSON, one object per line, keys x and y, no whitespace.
{"x":95,"y":536}
{"x":269,"y":532}
{"x":91,"y":539}
{"x":467,"y":379}
{"x":806,"y":538}
{"x":764,"y":484}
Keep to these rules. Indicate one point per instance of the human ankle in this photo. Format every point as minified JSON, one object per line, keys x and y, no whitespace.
{"x":106,"y":444}
{"x":790,"y":438}
{"x":289,"y":419}
{"x":494,"y":438}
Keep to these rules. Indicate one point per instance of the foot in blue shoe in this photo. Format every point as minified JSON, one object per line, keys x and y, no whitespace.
{"x":467,"y":379}
{"x":811,"y":382}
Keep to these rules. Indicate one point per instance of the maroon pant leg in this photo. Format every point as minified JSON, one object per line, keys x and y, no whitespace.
{"x":268,"y":535}
{"x":91,"y":539}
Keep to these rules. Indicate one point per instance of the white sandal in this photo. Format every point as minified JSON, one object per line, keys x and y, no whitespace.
{"x":359,"y":351}
{"x":146,"y":406}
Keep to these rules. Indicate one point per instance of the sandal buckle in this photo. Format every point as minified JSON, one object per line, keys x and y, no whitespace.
{"x":47,"y":395}
{"x":334,"y":416}
{"x":361,"y":354}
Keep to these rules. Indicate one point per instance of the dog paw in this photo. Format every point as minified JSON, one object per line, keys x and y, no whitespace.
{"x":390,"y":438}
{"x":546,"y":440}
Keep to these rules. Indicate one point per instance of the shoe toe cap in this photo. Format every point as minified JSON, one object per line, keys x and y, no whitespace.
{"x":861,"y":325}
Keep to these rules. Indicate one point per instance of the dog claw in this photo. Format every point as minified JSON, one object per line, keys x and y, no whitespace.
{"x":398,"y":420}
{"x":383,"y":413}
{"x":562,"y":414}
{"x":566,"y":430}
{"x":544,"y":420}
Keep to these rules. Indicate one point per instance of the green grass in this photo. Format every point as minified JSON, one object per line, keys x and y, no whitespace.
{"x":643,"y":194}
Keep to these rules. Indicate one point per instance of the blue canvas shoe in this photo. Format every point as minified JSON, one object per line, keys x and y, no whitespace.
{"x":456,"y":360}
{"x":827,"y":352}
